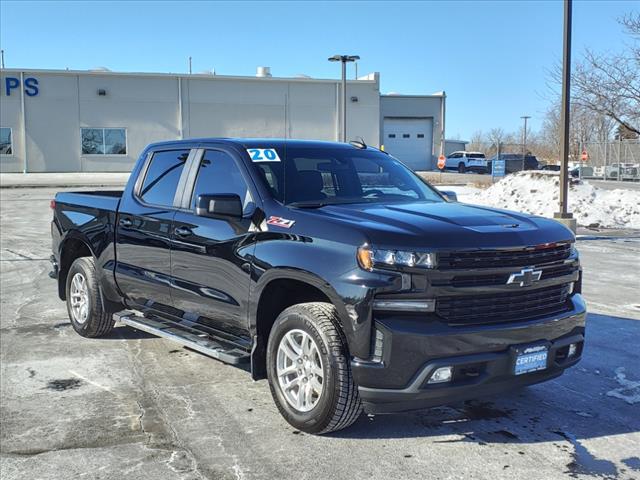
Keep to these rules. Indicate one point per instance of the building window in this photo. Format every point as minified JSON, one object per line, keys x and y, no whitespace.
{"x":6,"y":141}
{"x":392,"y":135}
{"x":421,"y":135}
{"x":104,"y":141}
{"x":405,"y":135}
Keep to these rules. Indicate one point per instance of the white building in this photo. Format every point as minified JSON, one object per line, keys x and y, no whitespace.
{"x":92,"y":121}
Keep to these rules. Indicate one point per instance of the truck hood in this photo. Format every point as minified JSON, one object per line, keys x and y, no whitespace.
{"x":445,"y":225}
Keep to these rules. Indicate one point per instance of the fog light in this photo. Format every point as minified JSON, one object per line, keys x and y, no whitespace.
{"x":441,"y":375}
{"x":428,"y":305}
{"x":573,"y":350}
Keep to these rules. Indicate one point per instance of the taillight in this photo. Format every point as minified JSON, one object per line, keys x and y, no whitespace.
{"x":52,"y":204}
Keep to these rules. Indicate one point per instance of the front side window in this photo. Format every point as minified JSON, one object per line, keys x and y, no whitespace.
{"x":219,"y":174}
{"x":330,"y":175}
{"x":104,"y":141}
{"x":6,"y":141}
{"x":161,"y":180}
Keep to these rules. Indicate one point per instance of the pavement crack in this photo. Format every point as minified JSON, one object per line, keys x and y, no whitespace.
{"x":154,"y":422}
{"x":22,"y":256}
{"x":141,"y":422}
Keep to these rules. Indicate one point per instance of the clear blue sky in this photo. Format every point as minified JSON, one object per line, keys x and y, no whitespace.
{"x":490,"y":57}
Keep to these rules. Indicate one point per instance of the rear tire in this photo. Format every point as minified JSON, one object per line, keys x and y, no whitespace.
{"x":84,"y":300}
{"x":333,"y":400}
{"x":462,"y":168}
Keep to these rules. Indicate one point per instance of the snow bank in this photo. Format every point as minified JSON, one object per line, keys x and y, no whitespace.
{"x":537,"y":193}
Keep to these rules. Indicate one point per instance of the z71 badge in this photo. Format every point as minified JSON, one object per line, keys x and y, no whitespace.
{"x":280,"y":222}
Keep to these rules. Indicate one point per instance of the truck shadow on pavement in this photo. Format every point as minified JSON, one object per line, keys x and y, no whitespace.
{"x":599,"y":397}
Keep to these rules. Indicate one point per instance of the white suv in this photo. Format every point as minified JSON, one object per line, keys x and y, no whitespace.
{"x":466,"y":161}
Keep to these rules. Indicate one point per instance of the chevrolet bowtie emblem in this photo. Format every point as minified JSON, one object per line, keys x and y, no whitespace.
{"x":526,"y":277}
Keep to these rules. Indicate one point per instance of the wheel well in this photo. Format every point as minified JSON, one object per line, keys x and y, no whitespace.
{"x":276,"y":297}
{"x":71,"y":250}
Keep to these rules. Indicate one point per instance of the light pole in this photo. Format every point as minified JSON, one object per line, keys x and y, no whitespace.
{"x":563,"y":215}
{"x":344,"y":59}
{"x":524,"y":140}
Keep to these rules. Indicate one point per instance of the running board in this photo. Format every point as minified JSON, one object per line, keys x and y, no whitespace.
{"x":188,"y":337}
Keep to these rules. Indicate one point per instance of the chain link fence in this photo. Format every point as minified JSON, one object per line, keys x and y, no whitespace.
{"x":617,"y":160}
{"x":614,"y":160}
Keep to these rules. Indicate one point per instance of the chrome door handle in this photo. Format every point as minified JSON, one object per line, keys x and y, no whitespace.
{"x":183,"y":231}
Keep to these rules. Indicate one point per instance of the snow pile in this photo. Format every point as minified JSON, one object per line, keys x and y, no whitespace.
{"x":537,"y":193}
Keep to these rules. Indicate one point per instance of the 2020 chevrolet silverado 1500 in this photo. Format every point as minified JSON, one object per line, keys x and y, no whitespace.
{"x":333,"y":269}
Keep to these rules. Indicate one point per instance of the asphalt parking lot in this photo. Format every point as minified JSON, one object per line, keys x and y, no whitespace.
{"x":134,"y":406}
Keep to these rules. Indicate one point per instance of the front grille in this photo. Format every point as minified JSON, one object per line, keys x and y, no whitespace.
{"x":504,"y":258}
{"x":501,"y":278}
{"x":504,"y":307}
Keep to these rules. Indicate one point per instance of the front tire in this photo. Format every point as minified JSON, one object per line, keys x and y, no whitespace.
{"x":309,"y":371}
{"x":84,"y":300}
{"x":462,"y":168}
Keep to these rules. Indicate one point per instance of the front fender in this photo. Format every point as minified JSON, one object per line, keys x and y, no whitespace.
{"x":331,"y":267}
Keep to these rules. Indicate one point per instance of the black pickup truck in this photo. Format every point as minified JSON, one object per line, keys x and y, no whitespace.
{"x":333,"y":269}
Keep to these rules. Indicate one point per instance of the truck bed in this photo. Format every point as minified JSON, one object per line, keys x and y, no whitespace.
{"x":98,"y":199}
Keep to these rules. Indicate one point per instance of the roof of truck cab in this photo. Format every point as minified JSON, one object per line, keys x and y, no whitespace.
{"x":255,"y":142}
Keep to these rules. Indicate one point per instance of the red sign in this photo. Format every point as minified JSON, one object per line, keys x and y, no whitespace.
{"x":441,"y":162}
{"x":584,"y":157}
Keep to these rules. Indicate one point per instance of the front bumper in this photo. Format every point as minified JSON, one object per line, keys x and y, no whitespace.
{"x":482,"y":357}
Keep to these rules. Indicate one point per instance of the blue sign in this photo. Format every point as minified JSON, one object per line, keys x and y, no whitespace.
{"x":30,"y":86}
{"x":498,"y":167}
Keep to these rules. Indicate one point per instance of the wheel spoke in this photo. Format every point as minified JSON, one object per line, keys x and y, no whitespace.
{"x":306,"y":344}
{"x":316,"y":385}
{"x":288,"y":350}
{"x":300,"y":397}
{"x":297,"y":347}
{"x":287,"y":371}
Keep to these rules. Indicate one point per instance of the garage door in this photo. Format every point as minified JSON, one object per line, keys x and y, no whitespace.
{"x":410,"y":140}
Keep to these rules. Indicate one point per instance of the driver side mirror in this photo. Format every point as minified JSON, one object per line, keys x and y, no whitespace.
{"x":219,"y":205}
{"x":450,"y":195}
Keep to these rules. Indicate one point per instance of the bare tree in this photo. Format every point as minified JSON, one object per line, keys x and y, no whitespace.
{"x":496,"y":135}
{"x":477,"y":142}
{"x":586,"y":126}
{"x":609,"y":84}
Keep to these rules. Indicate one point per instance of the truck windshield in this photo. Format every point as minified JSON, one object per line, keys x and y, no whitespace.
{"x":314,"y":177}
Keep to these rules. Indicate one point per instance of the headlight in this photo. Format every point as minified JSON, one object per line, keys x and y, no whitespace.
{"x":368,"y":258}
{"x":574,"y":250}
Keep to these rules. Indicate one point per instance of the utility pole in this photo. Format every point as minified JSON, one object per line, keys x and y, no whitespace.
{"x":564,"y":216}
{"x":344,"y":59}
{"x":524,"y":140}
{"x":189,"y":64}
{"x":443,"y":116}
{"x":2,"y":61}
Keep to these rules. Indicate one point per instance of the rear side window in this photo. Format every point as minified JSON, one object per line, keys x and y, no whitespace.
{"x":161,"y":182}
{"x":475,"y":155}
{"x":219,"y":174}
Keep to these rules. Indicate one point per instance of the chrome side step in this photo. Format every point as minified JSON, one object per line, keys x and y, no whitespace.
{"x":188,"y":337}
